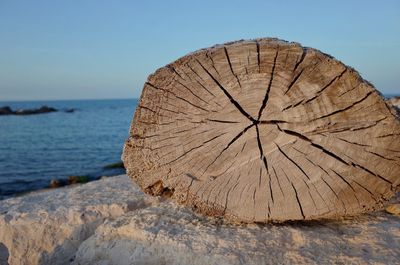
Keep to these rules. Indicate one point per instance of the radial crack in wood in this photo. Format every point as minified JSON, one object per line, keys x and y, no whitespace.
{"x":264,"y":130}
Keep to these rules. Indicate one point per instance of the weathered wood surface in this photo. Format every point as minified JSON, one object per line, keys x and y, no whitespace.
{"x":264,"y":130}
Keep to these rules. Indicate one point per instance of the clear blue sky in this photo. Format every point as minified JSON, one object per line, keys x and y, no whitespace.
{"x":106,"y":49}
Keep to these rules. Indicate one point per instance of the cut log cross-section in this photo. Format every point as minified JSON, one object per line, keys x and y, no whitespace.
{"x":264,"y":130}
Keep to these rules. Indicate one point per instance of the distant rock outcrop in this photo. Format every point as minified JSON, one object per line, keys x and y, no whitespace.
{"x":395,"y":101}
{"x":6,"y":110}
{"x":42,"y":109}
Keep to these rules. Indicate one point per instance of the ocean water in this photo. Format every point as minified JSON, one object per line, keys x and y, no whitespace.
{"x":35,"y":149}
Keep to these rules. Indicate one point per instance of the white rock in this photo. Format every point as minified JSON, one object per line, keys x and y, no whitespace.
{"x":168,"y":234}
{"x":121,"y":225}
{"x":47,"y":227}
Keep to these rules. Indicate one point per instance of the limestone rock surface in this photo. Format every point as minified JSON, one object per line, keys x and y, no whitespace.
{"x":111,"y":221}
{"x":47,"y":227}
{"x":169,"y":234}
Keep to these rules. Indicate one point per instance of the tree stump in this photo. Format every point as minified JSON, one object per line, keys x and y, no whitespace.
{"x":264,"y":130}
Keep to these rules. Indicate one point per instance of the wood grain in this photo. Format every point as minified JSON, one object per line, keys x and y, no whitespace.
{"x":264,"y":130}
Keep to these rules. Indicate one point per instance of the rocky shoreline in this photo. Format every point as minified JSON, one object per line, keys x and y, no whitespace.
{"x":110,"y":221}
{"x":111,"y":169}
{"x":395,"y":101}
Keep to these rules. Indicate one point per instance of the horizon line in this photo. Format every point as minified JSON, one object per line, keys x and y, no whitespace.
{"x":72,"y":99}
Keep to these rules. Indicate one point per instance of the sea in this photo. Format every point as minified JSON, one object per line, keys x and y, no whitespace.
{"x":35,"y":149}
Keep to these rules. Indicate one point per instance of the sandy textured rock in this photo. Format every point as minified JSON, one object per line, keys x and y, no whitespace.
{"x":168,"y":234}
{"x":112,"y":222}
{"x":48,"y":227}
{"x":264,"y":130}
